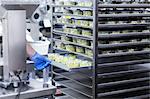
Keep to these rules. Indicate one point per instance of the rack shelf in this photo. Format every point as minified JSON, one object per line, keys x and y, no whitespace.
{"x":124,"y":63}
{"x":139,"y":97}
{"x":73,"y":16}
{"x":72,"y":35}
{"x":72,"y":25}
{"x":74,"y":94}
{"x":124,"y":35}
{"x":123,"y":6}
{"x":124,"y":54}
{"x":77,"y":78}
{"x":71,"y":6}
{"x":68,"y":42}
{"x":75,"y":53}
{"x":118,"y":26}
{"x":64,"y":67}
{"x":78,"y":88}
{"x":109,"y":84}
{"x":122,"y":73}
{"x":110,"y":46}
{"x":122,"y":15}
{"x":123,"y":91}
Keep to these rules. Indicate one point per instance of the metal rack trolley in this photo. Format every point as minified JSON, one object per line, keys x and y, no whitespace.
{"x":113,"y":75}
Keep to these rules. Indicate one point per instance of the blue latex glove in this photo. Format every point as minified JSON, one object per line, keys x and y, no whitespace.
{"x":40,"y":62}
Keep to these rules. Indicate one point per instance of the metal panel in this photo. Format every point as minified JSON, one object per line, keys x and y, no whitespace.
{"x":14,"y":41}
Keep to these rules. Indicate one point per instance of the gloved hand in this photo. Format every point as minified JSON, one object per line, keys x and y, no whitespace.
{"x":40,"y":62}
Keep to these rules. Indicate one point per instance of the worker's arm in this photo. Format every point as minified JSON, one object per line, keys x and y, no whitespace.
{"x":40,"y":62}
{"x":30,"y":50}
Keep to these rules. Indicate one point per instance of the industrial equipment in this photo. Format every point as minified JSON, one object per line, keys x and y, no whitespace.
{"x":14,"y":70}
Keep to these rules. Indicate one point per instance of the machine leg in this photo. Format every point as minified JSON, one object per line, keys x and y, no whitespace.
{"x":51,"y":97}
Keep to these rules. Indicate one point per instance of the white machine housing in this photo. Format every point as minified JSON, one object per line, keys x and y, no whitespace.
{"x":13,"y":16}
{"x":14,"y":42}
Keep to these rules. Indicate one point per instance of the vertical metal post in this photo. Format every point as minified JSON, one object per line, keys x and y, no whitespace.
{"x":45,"y":77}
{"x":52,"y":69}
{"x":95,"y":46}
{"x":51,"y":25}
{"x":52,"y":50}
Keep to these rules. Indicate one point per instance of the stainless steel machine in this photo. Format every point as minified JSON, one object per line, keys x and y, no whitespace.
{"x":14,"y":71}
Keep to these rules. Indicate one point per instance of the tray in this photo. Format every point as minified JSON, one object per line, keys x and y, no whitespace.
{"x":64,"y":67}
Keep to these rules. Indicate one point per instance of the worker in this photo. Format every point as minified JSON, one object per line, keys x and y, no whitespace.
{"x":40,"y":62}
